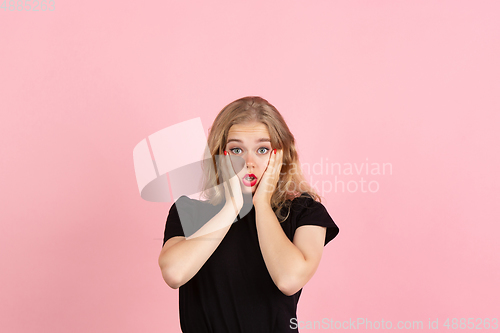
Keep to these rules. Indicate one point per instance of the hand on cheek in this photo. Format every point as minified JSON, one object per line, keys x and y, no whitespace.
{"x":269,"y":179}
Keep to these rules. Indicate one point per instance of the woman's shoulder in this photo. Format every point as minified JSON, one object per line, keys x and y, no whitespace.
{"x":304,"y":200}
{"x":185,"y":202}
{"x":192,"y":201}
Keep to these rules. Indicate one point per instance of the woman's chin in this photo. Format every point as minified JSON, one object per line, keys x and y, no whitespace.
{"x":247,"y":189}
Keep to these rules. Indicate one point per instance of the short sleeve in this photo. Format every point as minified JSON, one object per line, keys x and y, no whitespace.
{"x":173,"y":226}
{"x":186,"y":216}
{"x":314,"y":213}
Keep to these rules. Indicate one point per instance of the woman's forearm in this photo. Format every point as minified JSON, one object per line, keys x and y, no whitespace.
{"x":181,"y":261}
{"x":283,"y":259}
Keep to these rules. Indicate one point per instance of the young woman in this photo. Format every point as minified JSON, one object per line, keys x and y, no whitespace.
{"x":241,"y":258}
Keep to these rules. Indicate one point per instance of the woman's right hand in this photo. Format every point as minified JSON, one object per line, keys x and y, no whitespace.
{"x":231,"y":183}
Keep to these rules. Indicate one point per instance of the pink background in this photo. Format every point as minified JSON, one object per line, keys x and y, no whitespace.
{"x":411,"y":83}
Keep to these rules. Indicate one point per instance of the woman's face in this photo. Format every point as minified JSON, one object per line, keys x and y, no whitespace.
{"x":251,"y":142}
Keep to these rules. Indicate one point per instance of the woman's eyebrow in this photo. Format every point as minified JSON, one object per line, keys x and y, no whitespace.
{"x":258,"y":140}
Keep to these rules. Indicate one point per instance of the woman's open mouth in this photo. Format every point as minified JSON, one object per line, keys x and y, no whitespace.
{"x":249,"y":180}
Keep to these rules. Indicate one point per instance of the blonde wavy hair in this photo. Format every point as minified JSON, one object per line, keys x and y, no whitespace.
{"x":256,"y":109}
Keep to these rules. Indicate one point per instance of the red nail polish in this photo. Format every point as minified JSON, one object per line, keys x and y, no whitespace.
{"x":274,"y":151}
{"x":225,"y":152}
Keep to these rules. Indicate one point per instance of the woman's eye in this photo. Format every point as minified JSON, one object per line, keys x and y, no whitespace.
{"x":233,"y":150}
{"x":263,"y":150}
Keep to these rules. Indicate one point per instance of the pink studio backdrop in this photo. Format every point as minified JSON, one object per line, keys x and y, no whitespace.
{"x":413,"y":84}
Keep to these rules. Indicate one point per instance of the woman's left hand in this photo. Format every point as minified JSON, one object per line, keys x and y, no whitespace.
{"x":269,"y":180}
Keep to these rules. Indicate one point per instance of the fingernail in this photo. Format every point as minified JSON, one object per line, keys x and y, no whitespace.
{"x":225,"y":152}
{"x":274,"y":151}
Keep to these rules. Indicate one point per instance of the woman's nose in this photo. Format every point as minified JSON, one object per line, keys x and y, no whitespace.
{"x":249,"y":161}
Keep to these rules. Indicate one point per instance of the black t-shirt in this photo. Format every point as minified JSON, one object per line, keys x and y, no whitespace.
{"x":233,"y":291}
